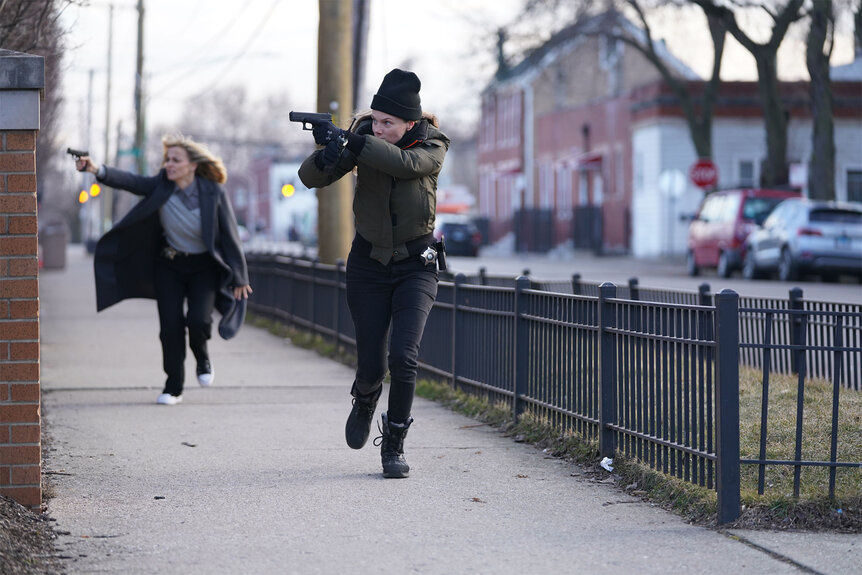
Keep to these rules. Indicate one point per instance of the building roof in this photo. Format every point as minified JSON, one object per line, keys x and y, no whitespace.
{"x":593,"y":26}
{"x":851,"y":72}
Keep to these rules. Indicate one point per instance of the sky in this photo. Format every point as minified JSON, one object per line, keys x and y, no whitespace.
{"x":270,"y":46}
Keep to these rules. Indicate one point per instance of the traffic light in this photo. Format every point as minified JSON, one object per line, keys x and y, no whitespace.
{"x":287,"y":190}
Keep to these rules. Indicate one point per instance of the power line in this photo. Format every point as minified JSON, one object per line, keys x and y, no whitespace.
{"x":204,"y":49}
{"x":243,"y":51}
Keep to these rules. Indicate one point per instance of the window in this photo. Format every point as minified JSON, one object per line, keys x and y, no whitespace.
{"x":756,"y":209}
{"x":583,"y":189}
{"x":711,"y":208}
{"x":546,"y":185}
{"x":854,"y":185}
{"x":746,"y":174}
{"x":487,"y":136}
{"x":836,"y":216}
{"x":564,"y":193}
{"x":730,"y":208}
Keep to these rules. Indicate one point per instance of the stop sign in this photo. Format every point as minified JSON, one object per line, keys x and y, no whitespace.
{"x":703,"y":173}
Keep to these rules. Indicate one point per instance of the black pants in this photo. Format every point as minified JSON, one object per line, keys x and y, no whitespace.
{"x":184,"y":279}
{"x":399,"y":295}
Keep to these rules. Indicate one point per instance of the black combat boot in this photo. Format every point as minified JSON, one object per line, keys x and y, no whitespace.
{"x":392,"y":447}
{"x":359,"y":421}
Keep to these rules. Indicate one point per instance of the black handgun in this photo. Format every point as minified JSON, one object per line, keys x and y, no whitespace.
{"x":77,"y":153}
{"x":310,"y":119}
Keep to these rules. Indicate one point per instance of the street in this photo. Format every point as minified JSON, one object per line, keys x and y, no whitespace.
{"x":663,"y":273}
{"x":666,"y":274}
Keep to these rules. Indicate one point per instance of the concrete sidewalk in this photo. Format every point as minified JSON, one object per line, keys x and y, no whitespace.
{"x":253,"y":475}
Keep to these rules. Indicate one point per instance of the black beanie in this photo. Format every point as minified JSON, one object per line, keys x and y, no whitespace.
{"x":399,"y":95}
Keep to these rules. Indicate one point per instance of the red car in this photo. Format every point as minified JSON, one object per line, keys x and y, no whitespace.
{"x":717,"y":234}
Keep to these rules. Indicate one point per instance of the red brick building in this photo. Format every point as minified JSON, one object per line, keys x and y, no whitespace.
{"x":576,"y":139}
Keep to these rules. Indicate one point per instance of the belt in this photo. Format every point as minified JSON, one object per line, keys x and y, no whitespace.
{"x":417,"y":246}
{"x":414,"y":247}
{"x":169,"y":253}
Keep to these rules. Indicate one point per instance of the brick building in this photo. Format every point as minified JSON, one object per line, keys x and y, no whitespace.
{"x":578,"y":140}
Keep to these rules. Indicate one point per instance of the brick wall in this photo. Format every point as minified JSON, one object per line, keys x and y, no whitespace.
{"x":20,"y":424}
{"x":21,"y":79}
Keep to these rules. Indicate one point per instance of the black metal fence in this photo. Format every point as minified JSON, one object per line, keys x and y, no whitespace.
{"x":816,"y":334}
{"x":652,"y":374}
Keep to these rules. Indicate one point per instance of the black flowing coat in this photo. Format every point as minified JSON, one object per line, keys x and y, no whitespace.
{"x":125,"y":257}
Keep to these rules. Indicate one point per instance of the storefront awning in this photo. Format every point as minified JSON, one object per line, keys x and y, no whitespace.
{"x":590,"y":161}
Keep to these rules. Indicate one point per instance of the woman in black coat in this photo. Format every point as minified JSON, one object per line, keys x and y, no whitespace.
{"x":180,"y":246}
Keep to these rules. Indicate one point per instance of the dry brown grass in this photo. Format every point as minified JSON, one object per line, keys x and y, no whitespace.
{"x":781,"y":425}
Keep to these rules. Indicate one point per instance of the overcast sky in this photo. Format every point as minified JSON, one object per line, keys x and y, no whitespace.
{"x":270,"y":46}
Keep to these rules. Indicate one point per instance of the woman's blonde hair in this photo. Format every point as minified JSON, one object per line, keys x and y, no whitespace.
{"x":210,"y":166}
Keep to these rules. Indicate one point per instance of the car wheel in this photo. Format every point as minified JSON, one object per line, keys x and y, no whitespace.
{"x":787,"y":267}
{"x":749,"y":268}
{"x":691,"y":265}
{"x":724,"y":270}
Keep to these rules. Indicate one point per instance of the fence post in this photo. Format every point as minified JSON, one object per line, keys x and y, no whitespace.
{"x":483,"y":276}
{"x":576,"y":284}
{"x":312,"y":291}
{"x":727,"y":405}
{"x":460,"y":280}
{"x":290,"y":292}
{"x":797,"y":337}
{"x":607,"y":369}
{"x":339,"y":273}
{"x":703,"y":297}
{"x":521,"y":352}
{"x":634,"y":291}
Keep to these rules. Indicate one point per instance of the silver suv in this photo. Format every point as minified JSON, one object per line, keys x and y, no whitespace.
{"x":807,"y":237}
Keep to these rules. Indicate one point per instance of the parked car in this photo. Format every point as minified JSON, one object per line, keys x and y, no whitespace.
{"x":716,"y":235}
{"x":807,"y":237}
{"x":461,"y":235}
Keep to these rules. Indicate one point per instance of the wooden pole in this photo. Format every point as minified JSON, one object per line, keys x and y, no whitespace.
{"x":334,"y":95}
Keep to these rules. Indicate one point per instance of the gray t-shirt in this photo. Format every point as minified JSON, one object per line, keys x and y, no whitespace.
{"x":181,"y":220}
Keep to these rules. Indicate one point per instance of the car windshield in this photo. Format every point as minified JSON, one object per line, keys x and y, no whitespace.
{"x":756,"y":209}
{"x":836,"y":216}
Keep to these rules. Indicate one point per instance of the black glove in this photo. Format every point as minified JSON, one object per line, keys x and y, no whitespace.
{"x":330,"y":154}
{"x":325,"y":133}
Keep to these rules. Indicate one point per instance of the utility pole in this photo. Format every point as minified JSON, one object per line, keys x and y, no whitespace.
{"x":140,"y":129}
{"x":361,"y":19}
{"x":108,"y":193}
{"x":335,"y":95}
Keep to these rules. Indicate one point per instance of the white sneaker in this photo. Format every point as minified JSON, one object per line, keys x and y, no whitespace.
{"x":205,"y":373}
{"x":168,"y":399}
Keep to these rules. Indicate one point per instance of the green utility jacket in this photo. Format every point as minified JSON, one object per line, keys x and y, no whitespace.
{"x":395,"y":199}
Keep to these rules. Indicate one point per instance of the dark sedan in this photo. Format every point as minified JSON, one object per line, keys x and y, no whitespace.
{"x":461,"y":235}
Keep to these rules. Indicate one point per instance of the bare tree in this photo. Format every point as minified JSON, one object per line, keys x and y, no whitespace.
{"x":821,"y":172}
{"x":32,"y":26}
{"x":775,"y":171}
{"x":857,"y":28}
{"x":699,"y":125}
